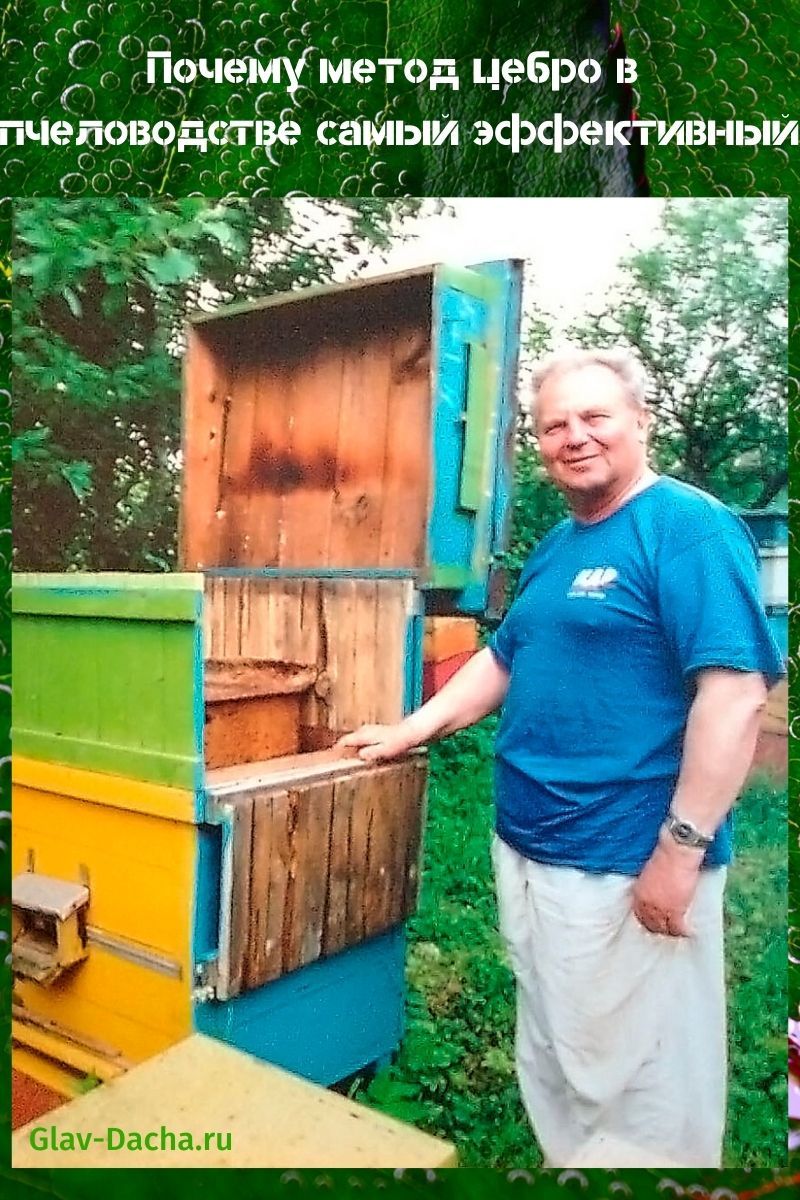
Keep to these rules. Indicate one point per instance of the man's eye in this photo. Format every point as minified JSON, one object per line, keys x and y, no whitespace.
{"x":594,"y":417}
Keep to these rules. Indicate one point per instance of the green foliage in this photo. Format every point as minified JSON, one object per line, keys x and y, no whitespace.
{"x":705,"y":309}
{"x":454,"y":1074}
{"x":104,"y":288}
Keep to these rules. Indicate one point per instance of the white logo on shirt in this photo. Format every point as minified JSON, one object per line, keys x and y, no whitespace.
{"x":592,"y":582}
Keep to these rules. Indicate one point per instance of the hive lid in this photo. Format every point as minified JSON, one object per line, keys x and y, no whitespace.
{"x":43,"y":893}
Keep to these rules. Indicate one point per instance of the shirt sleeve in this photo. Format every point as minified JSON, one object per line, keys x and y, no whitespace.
{"x":501,"y":644}
{"x":710,"y":603}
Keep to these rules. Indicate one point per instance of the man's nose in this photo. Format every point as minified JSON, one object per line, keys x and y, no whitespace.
{"x":576,"y":431}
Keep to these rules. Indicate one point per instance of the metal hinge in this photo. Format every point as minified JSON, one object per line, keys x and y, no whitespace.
{"x":205,"y":985}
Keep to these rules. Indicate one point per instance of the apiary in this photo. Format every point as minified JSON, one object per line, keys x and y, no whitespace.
{"x":179,"y":796}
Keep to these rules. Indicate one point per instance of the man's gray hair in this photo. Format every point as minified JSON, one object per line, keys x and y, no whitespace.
{"x":627,"y":369}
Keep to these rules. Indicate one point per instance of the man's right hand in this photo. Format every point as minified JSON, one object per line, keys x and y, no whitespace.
{"x":377,"y":743}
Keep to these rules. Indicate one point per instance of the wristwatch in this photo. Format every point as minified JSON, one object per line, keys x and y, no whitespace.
{"x":685,"y":833}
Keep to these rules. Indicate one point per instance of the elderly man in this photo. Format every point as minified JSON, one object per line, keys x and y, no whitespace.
{"x":632,"y":668}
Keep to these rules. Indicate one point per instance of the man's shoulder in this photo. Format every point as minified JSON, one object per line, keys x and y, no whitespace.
{"x":683,"y":515}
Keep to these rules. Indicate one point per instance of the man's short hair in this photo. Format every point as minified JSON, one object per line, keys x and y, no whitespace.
{"x":627,"y":369}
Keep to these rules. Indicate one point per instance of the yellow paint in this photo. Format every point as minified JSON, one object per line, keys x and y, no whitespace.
{"x":52,"y":1074}
{"x":140,"y":872}
{"x":49,"y":1045}
{"x":114,"y":791}
{"x":274,"y":1119}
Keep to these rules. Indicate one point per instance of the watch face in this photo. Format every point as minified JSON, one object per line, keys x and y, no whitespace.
{"x":683,"y":832}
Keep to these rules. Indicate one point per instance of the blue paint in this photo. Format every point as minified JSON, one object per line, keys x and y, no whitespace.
{"x":506,"y":315}
{"x":205,"y":929}
{"x":460,"y":540}
{"x":198,"y":711}
{"x":415,"y":634}
{"x":324,"y":1021}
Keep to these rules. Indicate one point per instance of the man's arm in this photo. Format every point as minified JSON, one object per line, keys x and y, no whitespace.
{"x":475,"y":690}
{"x":718,"y":749}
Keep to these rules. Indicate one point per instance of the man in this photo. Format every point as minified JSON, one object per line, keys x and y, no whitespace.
{"x":633,"y":668}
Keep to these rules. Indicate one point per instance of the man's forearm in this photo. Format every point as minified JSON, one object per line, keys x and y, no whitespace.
{"x":720,"y":740}
{"x":477,"y":689}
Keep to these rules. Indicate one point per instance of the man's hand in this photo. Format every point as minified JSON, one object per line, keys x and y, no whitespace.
{"x":666,"y":887}
{"x":377,"y":743}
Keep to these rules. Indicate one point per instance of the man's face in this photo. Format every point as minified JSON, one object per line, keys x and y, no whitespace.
{"x":592,"y":439}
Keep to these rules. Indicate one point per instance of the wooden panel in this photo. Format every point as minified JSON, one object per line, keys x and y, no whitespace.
{"x":109,"y":693}
{"x":202,"y":1085}
{"x":408,"y":470}
{"x":328,"y":865}
{"x":312,"y":449}
{"x":206,"y":406}
{"x":251,"y":730}
{"x":337,"y":628}
{"x":140,"y":870}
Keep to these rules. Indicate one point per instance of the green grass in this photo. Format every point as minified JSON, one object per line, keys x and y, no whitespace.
{"x":455,"y":1071}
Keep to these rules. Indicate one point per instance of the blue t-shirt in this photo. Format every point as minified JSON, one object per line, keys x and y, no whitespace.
{"x":610,"y":623}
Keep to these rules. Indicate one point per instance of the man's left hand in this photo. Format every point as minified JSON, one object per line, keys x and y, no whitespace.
{"x":665,"y":889}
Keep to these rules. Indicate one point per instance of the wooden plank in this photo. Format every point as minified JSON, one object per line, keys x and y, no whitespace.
{"x":415,"y":790}
{"x":251,"y":730}
{"x":358,"y":498}
{"x":202,"y":1084}
{"x":268,"y":465}
{"x":311,"y":452}
{"x":242,"y":852}
{"x":279,"y":874}
{"x":317,"y":803}
{"x":394,"y":601}
{"x":249,"y":677}
{"x":384,"y":797}
{"x":361,"y":818}
{"x":362,"y":702}
{"x":261,"y":868}
{"x":236,"y":482}
{"x":339,"y":614}
{"x":407,"y":460}
{"x":203,"y":412}
{"x":334,"y":934}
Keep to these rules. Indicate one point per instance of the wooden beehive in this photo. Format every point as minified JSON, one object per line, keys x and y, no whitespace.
{"x":307,"y":430}
{"x":364,"y":426}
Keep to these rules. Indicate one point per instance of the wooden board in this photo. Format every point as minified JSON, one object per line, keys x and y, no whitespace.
{"x":329,"y":632}
{"x":310,"y":448}
{"x":321,"y":866}
{"x":251,"y":729}
{"x":274,"y":1119}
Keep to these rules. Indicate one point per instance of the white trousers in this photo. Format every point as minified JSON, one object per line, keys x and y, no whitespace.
{"x":621,"y":1038}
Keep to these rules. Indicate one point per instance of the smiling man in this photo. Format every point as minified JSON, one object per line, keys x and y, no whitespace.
{"x":632,"y":669}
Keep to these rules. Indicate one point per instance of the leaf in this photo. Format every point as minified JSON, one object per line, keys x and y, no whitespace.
{"x":79,"y":477}
{"x":174,"y":266}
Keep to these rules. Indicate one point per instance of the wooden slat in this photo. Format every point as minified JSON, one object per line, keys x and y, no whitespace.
{"x":205,"y":391}
{"x":407,"y":469}
{"x":311,"y":450}
{"x":251,"y":730}
{"x":247,"y":677}
{"x":334,"y":934}
{"x":279,"y":878}
{"x":318,"y":804}
{"x":236,"y":482}
{"x":261,"y":869}
{"x":331,"y":863}
{"x":267,"y":468}
{"x":358,"y":492}
{"x":242,"y":850}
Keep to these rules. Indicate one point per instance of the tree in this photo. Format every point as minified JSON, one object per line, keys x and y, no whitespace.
{"x":705,"y":309}
{"x":103,"y":287}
